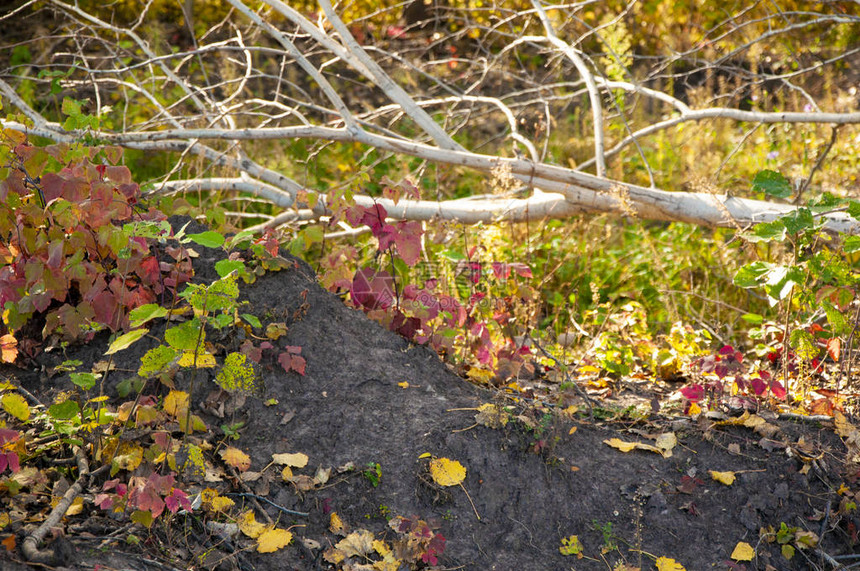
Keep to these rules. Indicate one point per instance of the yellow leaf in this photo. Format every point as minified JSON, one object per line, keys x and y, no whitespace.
{"x":571,"y":546}
{"x":287,"y":474}
{"x":492,"y":415}
{"x":250,"y":526}
{"x":446,"y":472}
{"x":273,"y":539}
{"x":295,"y":460}
{"x":16,"y":405}
{"x":337,"y":525}
{"x":76,"y":507}
{"x":621,"y":445}
{"x":236,"y":458}
{"x":403,"y":385}
{"x":694,"y":409}
{"x":628,"y":446}
{"x":666,"y":564}
{"x":743,"y":552}
{"x":572,"y":430}
{"x":727,"y":478}
{"x":381,"y":547}
{"x":176,"y":402}
{"x":666,"y":442}
{"x":356,"y":544}
{"x":203,"y":360}
{"x":480,"y":375}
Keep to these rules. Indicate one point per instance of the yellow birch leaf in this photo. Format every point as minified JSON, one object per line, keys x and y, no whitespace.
{"x":176,"y":402}
{"x":250,"y":526}
{"x":743,"y":552}
{"x":273,"y":539}
{"x":381,"y":547}
{"x":666,"y":564}
{"x":628,"y":446}
{"x":287,"y":474}
{"x":403,"y":385}
{"x":572,"y":430}
{"x":446,"y":472}
{"x":236,"y":458}
{"x":16,"y":405}
{"x":491,"y":416}
{"x":356,"y":544}
{"x":294,"y":460}
{"x":727,"y":478}
{"x":621,"y":445}
{"x":76,"y":507}
{"x":694,"y":409}
{"x":337,"y":525}
{"x":666,"y":442}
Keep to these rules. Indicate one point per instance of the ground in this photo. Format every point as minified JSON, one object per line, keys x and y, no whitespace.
{"x":543,"y":477}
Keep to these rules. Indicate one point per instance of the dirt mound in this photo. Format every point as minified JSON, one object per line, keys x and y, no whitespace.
{"x":533,"y":482}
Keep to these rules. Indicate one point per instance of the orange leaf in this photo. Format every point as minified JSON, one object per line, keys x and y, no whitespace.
{"x":236,"y":458}
{"x":834,"y":348}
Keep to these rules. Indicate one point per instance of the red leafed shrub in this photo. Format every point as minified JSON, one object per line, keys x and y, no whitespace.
{"x":76,"y":246}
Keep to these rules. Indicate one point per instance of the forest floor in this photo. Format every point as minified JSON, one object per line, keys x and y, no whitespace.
{"x":544,"y":476}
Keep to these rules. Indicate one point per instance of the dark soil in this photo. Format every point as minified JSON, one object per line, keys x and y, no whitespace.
{"x":531,"y":486}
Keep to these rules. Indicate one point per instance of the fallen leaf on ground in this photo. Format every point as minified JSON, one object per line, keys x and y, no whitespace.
{"x":492,"y":415}
{"x":743,"y":552}
{"x":273,"y":539}
{"x":625,"y":446}
{"x":236,"y":458}
{"x":249,"y":525}
{"x":447,"y":472}
{"x":666,"y":564}
{"x":727,"y":478}
{"x":295,"y":460}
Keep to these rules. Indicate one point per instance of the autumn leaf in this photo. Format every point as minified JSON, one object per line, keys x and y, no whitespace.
{"x":492,"y":416}
{"x":357,"y":543}
{"x":294,"y":460}
{"x":446,"y":472}
{"x":666,"y":564}
{"x":176,"y":403}
{"x":571,"y":546}
{"x":628,"y":446}
{"x":16,"y":405}
{"x":236,"y":458}
{"x":273,"y":539}
{"x":337,"y":525}
{"x":727,"y":478}
{"x":743,"y":552}
{"x":250,"y":526}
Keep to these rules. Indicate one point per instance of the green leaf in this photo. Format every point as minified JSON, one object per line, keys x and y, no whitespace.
{"x":804,"y":344}
{"x":767,"y":232}
{"x":156,"y":360}
{"x":752,"y":318}
{"x":84,"y":380}
{"x":184,"y":337}
{"x":225,"y":267}
{"x":751,"y":275}
{"x":208,"y":239}
{"x":838,"y":323}
{"x":851,"y":244}
{"x":125,"y":340}
{"x":71,"y":107}
{"x":252,"y":320}
{"x":64,"y":410}
{"x":854,"y":209}
{"x":800,"y":219}
{"x":241,"y":240}
{"x":140,"y":315}
{"x":772,"y":183}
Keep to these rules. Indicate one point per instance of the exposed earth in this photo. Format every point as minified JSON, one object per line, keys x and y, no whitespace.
{"x":533,"y":482}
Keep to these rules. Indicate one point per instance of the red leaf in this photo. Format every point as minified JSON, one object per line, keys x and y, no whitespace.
{"x":693,"y":393}
{"x":777,"y":389}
